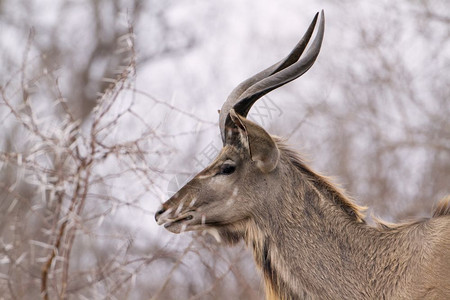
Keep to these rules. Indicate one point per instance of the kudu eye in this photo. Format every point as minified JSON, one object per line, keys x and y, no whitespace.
{"x":227,"y":168}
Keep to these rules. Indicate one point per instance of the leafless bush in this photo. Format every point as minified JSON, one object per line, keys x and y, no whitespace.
{"x":69,"y":188}
{"x":58,"y":189}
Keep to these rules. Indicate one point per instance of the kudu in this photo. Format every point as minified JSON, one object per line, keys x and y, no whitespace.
{"x":310,"y":240}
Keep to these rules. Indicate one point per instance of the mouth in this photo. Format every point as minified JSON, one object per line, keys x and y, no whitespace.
{"x":179,"y":224}
{"x":178,"y":221}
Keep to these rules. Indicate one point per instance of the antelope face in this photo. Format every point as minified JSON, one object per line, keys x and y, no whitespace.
{"x":226,"y":192}
{"x":211,"y":198}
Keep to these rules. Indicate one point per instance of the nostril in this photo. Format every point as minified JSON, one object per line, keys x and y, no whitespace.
{"x":158,"y":213}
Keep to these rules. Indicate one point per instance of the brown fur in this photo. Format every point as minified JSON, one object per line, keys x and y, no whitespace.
{"x":408,"y":261}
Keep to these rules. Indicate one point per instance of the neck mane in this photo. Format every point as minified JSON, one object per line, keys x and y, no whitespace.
{"x":329,"y":190}
{"x":314,"y":243}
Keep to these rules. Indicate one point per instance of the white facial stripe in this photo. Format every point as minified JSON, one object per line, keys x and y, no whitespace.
{"x":180,"y":207}
{"x":205,"y":176}
{"x":192,"y":202}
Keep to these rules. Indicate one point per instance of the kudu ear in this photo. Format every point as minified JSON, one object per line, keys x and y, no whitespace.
{"x":261,"y":146}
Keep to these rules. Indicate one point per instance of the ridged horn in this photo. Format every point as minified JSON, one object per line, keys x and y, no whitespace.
{"x":246,"y":93}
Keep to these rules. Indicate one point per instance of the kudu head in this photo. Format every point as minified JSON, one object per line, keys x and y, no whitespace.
{"x":242,"y":178}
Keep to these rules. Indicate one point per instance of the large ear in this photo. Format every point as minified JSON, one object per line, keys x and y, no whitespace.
{"x":261,"y":146}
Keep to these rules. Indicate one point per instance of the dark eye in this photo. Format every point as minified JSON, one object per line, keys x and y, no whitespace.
{"x":227,"y":169}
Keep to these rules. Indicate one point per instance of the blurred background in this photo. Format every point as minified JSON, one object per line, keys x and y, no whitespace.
{"x":107,"y":107}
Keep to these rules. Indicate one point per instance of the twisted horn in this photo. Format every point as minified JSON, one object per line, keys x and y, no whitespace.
{"x":246,"y":93}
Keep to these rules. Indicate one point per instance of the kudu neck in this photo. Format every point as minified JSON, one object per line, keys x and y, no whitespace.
{"x":312,"y":240}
